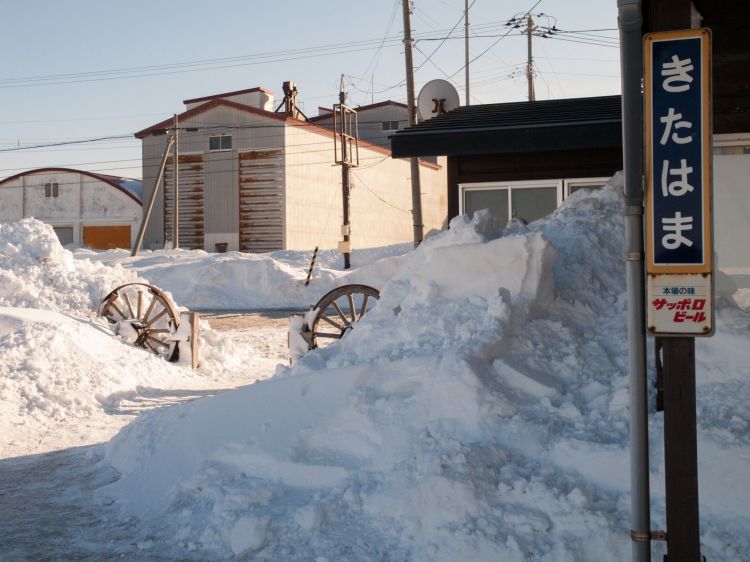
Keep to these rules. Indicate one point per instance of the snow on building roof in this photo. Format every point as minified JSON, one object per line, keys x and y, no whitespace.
{"x":133,"y":188}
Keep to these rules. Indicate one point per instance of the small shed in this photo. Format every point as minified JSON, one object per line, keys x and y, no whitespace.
{"x":95,"y":210}
{"x":520,"y":159}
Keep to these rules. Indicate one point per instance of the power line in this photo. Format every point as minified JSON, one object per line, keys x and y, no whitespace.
{"x":364,"y":184}
{"x":63,"y":143}
{"x":496,"y":42}
{"x":444,"y":39}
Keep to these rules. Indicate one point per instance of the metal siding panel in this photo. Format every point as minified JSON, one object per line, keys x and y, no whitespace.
{"x":192,"y":199}
{"x":221,"y":192}
{"x":152,"y":151}
{"x":261,"y":203}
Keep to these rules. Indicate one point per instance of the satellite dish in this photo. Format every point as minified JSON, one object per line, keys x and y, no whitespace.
{"x":436,"y":97}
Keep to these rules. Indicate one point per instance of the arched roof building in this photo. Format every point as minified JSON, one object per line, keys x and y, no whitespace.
{"x":95,"y":210}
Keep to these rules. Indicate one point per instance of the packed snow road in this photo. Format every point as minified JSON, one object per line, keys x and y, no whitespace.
{"x":47,"y":507}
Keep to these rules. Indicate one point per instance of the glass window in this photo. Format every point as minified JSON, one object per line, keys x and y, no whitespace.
{"x":534,"y":203}
{"x":574,"y":188}
{"x":51,"y":189}
{"x":496,"y":200}
{"x":220,"y":142}
{"x":64,"y":234}
{"x":584,"y":183}
{"x":390,"y":125}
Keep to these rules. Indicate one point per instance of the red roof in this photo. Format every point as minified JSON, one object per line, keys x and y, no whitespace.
{"x":228,"y":94}
{"x":219,"y":102}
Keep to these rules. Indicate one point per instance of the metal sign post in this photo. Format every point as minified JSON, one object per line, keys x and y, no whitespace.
{"x":679,"y":256}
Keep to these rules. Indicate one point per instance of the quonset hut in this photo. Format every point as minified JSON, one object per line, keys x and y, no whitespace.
{"x":94,"y":210}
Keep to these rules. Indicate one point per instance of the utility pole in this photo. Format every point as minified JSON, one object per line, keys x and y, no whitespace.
{"x":152,"y":198}
{"x":416,"y":195}
{"x":347,"y":129}
{"x":466,"y":48}
{"x":530,"y":60}
{"x":176,"y":216}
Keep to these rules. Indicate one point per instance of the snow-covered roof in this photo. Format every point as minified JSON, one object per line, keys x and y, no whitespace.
{"x":133,"y":188}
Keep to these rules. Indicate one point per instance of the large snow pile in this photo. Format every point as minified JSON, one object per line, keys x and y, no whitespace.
{"x":480,"y":412}
{"x":235,"y":280}
{"x":62,"y":376}
{"x":36,"y":271}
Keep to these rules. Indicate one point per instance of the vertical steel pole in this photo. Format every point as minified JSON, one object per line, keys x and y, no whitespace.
{"x":176,"y":221}
{"x":466,"y":49}
{"x":416,"y":188}
{"x":629,"y":22}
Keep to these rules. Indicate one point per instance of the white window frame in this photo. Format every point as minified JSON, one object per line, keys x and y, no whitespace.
{"x":724,"y":143}
{"x":220,"y":136}
{"x":583,"y":182}
{"x":510,"y":186}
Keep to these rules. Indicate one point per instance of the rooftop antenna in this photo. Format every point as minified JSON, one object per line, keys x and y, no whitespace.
{"x":291,"y":109}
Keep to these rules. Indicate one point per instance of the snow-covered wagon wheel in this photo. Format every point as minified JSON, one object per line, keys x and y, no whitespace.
{"x":338,"y":310}
{"x":144,"y":315}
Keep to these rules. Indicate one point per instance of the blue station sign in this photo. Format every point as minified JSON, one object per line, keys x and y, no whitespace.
{"x":677,"y":121}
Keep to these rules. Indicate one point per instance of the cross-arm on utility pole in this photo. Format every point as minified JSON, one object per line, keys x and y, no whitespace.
{"x":346,"y":129}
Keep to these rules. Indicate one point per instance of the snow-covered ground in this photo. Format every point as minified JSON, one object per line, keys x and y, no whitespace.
{"x":478,"y":412}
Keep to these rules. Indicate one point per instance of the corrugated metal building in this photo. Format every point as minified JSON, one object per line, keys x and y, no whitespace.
{"x":95,"y":210}
{"x":260,"y":181}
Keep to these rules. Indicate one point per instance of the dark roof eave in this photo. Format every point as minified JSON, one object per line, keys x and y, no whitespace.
{"x":507,"y":140}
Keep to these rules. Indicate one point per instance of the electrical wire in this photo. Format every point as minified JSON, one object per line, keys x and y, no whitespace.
{"x":367,"y":187}
{"x":444,"y":39}
{"x":496,"y":42}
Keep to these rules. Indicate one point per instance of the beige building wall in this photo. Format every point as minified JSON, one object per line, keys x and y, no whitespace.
{"x":380,"y":197}
{"x":248,"y":131}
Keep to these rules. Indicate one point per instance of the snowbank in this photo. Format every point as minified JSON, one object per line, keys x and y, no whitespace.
{"x":62,"y":371}
{"x":37,"y":272}
{"x":479,"y":412}
{"x":239,"y":281}
{"x":63,"y":375}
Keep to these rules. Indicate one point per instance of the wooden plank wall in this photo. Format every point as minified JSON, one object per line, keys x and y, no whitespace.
{"x":106,"y":237}
{"x":192,"y":200}
{"x":261,"y":204}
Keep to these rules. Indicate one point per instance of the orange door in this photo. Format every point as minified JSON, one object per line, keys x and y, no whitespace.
{"x":106,"y":237}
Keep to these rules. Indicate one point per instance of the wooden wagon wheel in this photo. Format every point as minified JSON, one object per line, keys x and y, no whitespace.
{"x":143,"y":314}
{"x":338,"y":310}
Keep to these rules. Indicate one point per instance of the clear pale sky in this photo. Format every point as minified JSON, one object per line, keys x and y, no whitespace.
{"x":79,"y":69}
